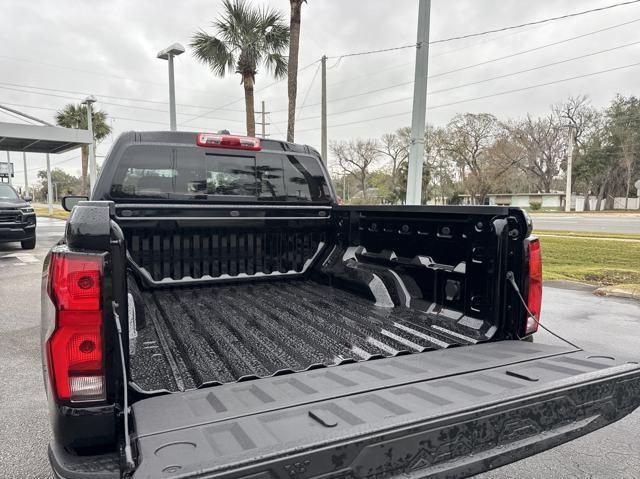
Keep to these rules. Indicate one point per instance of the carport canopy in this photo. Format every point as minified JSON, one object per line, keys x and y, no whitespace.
{"x":41,"y":139}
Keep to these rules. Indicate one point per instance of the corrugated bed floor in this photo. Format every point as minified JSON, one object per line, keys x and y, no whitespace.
{"x":220,"y":334}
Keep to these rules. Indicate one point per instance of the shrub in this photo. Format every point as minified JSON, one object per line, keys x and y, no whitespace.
{"x":535,"y":205}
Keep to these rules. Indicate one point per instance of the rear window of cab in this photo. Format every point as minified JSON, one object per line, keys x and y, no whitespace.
{"x":166,"y":172}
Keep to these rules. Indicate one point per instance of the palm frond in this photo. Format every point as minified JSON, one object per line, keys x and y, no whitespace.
{"x":213,"y":52}
{"x":101,"y":127}
{"x":276,"y":64}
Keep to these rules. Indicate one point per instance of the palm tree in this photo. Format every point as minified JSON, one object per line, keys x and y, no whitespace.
{"x":75,"y":116}
{"x":246,"y":37}
{"x":294,"y":46}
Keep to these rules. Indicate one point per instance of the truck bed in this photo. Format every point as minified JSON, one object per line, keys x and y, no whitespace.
{"x":190,"y":337}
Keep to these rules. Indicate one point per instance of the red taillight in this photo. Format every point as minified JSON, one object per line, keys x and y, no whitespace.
{"x":75,"y":347}
{"x":534,"y":298}
{"x":228,"y":141}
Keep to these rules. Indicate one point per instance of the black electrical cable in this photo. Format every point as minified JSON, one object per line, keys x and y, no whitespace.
{"x":511,"y":279}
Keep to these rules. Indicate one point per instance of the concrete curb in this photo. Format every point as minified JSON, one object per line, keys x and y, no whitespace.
{"x":628,"y":293}
{"x":571,"y":285}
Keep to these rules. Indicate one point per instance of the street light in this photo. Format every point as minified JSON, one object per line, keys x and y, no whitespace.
{"x":89,"y":101}
{"x":168,"y":54}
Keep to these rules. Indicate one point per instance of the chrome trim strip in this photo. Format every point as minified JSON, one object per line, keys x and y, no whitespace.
{"x":224,"y":277}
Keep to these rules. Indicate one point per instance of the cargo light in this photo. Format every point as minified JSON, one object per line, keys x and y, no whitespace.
{"x":534,"y":296}
{"x":75,"y":346}
{"x":228,"y":141}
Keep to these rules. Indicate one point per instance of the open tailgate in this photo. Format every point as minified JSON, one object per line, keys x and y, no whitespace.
{"x":450,"y":413}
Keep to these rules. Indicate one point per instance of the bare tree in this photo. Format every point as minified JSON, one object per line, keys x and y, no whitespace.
{"x":357,"y":158}
{"x":586,"y":121}
{"x":395,"y":148}
{"x":542,"y":143}
{"x":471,"y":141}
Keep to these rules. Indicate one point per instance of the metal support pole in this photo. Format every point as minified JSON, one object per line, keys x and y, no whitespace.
{"x":24,"y":167}
{"x":419,"y":110}
{"x":172,"y":96}
{"x":92,"y":148}
{"x":9,"y":166}
{"x":49,"y":192}
{"x":323,"y":125}
{"x":572,"y":140}
{"x":263,"y":121}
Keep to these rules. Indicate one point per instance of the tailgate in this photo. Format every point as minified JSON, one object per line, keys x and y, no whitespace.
{"x":451,"y":412}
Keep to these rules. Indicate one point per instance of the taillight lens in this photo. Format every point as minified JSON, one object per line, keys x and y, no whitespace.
{"x":534,"y":298}
{"x":75,"y":347}
{"x":228,"y":141}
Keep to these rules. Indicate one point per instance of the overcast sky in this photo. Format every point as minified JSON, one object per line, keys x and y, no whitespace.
{"x":108,"y":48}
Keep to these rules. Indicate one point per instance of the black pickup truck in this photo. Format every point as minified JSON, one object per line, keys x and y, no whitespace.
{"x":17,"y":218}
{"x":212,"y":312}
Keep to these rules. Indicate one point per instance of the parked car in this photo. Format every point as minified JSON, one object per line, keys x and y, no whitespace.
{"x":17,"y":218}
{"x":212,"y":312}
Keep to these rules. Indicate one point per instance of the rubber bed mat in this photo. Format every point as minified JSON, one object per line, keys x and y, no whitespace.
{"x":221,"y":334}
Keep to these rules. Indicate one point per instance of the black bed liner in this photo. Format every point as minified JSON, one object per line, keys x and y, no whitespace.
{"x":450,"y":413}
{"x":220,"y":334}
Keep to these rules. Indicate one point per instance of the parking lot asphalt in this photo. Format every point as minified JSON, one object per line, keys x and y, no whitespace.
{"x":604,"y":325}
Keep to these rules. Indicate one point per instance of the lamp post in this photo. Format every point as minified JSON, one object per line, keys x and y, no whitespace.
{"x":89,"y":101}
{"x":168,"y":54}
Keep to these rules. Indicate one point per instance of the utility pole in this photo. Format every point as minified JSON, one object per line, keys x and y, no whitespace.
{"x":9,"y":166}
{"x":344,"y":187}
{"x":264,"y":123}
{"x":24,"y":167}
{"x":89,"y":101}
{"x":323,"y":125}
{"x":49,"y":201}
{"x":419,"y":110}
{"x":572,"y":140}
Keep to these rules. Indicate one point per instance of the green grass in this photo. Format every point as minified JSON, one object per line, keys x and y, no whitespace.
{"x":586,"y":234}
{"x":593,"y":261}
{"x":57,"y":213}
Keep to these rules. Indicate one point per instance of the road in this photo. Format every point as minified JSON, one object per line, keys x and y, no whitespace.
{"x":601,"y":223}
{"x":606,"y":325}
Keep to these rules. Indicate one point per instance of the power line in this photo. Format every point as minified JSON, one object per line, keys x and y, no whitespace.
{"x":436,"y":55}
{"x":242,"y":98}
{"x":467,"y":67}
{"x":538,"y":85}
{"x":101,"y":95}
{"x":133,"y":107}
{"x":16,"y":116}
{"x":529,"y":50}
{"x":487,"y":32}
{"x":110,"y":116}
{"x":506,"y":75}
{"x":537,"y":22}
{"x":306,"y":95}
{"x":492,"y":95}
{"x":104,"y":74}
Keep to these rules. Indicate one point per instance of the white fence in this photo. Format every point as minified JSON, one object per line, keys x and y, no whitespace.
{"x":577,"y":203}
